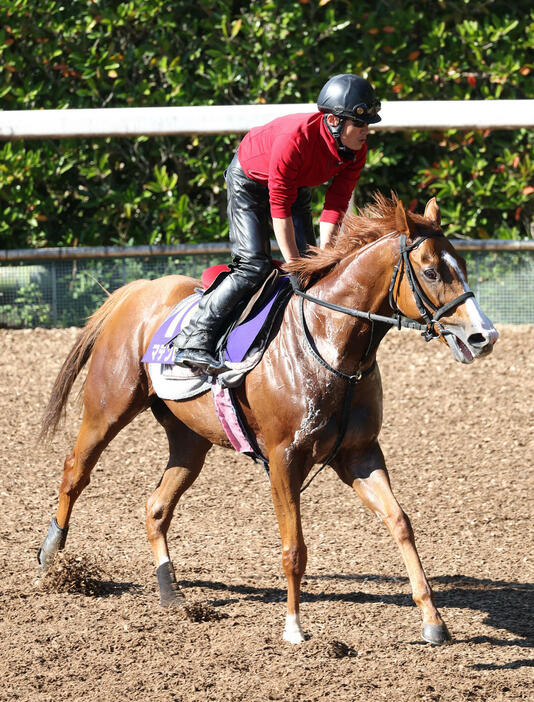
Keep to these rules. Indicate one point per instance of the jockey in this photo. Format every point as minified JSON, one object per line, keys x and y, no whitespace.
{"x":270,"y":177}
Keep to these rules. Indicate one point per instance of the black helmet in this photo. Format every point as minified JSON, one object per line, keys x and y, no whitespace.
{"x":349,"y":96}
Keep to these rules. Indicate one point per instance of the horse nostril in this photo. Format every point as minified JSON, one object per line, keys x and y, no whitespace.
{"x":478,"y":340}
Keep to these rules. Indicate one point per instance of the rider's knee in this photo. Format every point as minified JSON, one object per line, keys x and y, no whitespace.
{"x":255,"y":269}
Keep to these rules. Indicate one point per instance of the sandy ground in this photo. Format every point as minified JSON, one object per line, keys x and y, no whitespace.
{"x":459,"y":443}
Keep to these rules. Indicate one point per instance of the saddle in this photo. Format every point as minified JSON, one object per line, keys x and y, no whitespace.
{"x":242,"y":343}
{"x":211,"y":274}
{"x":249,"y":332}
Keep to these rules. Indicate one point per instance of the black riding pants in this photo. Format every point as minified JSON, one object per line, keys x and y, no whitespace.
{"x":250,"y":233}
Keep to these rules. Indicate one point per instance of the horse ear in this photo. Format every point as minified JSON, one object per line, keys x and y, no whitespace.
{"x":401,"y":220}
{"x":432,"y":211}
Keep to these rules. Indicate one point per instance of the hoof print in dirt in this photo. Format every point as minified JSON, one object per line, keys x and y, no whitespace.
{"x":74,"y":575}
{"x":338,"y":649}
{"x":199,"y":612}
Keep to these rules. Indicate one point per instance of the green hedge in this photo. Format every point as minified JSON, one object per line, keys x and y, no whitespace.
{"x":94,"y":53}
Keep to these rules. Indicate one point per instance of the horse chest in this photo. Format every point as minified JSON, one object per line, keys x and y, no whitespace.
{"x":314,"y":421}
{"x":322,"y":415}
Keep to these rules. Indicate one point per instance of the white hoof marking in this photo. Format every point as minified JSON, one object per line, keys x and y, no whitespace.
{"x":292,"y":630}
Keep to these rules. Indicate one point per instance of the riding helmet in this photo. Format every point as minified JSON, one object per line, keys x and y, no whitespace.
{"x":350,"y":96}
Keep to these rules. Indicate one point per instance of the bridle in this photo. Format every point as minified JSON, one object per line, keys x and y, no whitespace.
{"x":404,"y":266}
{"x":422,"y":300}
{"x":432,"y":328}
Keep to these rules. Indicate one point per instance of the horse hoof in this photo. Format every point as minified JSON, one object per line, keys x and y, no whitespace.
{"x":169,"y":592}
{"x":54,"y":542}
{"x":41,"y":558}
{"x":294,"y":637}
{"x":172,"y":598}
{"x":292,"y":630}
{"x":436,"y":634}
{"x":172,"y":602}
{"x":45,"y":559}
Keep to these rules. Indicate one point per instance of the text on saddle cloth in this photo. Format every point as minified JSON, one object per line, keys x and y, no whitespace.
{"x":159,"y":350}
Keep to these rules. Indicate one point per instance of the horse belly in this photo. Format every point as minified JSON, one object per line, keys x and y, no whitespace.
{"x":200,"y":416}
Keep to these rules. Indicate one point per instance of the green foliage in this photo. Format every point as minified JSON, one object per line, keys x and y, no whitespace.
{"x":64,"y":293}
{"x":29,"y":309}
{"x":502,"y":282}
{"x":163,"y":190}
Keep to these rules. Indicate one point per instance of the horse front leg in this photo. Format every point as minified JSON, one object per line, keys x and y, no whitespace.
{"x":285,"y":490}
{"x":368,"y":476}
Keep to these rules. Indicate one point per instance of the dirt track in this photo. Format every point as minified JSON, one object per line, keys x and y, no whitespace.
{"x":459,"y":442}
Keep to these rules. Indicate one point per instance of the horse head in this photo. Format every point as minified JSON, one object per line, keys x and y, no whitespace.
{"x":431,"y":286}
{"x":385,"y":259}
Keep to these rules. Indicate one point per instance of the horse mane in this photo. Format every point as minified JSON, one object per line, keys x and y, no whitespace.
{"x":359,"y":228}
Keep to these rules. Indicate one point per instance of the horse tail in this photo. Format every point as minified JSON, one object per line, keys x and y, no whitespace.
{"x":78,"y":357}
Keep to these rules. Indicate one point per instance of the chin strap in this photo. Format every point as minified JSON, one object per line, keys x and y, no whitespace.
{"x":343,"y":151}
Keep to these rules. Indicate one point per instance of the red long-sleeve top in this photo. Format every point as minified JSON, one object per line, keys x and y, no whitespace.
{"x":295,"y":151}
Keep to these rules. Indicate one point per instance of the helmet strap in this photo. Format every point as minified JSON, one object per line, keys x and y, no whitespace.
{"x":343,"y":151}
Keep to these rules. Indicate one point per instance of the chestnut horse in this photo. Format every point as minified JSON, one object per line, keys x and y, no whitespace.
{"x":384,"y":260}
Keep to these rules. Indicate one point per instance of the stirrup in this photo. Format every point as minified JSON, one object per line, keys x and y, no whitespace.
{"x":198,"y":358}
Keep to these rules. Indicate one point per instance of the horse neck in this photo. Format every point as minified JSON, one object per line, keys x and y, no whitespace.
{"x":360,"y":282}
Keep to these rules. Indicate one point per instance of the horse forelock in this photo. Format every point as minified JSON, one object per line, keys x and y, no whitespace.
{"x":360,"y":228}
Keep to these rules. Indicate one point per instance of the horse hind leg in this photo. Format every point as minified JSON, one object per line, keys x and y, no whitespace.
{"x":187,"y":452}
{"x":96,"y":432}
{"x":76,"y":476}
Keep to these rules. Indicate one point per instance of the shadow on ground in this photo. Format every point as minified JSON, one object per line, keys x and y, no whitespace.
{"x":507,"y":605}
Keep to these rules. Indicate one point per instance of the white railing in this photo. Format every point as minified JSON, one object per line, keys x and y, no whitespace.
{"x":235,"y":119}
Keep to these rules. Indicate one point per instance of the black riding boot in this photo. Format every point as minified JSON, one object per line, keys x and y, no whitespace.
{"x":196,"y":343}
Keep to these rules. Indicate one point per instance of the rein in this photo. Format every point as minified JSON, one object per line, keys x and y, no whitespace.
{"x":405,"y":266}
{"x":404,"y":263}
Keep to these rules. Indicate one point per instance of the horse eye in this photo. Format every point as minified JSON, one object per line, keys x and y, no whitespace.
{"x":430,"y":273}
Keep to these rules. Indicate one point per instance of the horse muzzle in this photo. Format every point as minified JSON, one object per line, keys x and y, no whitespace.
{"x":466,"y":347}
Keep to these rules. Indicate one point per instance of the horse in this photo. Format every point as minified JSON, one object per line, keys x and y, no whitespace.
{"x":384,"y":261}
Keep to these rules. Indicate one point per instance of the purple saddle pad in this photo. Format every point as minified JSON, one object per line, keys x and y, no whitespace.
{"x":239,"y":340}
{"x":158,"y":350}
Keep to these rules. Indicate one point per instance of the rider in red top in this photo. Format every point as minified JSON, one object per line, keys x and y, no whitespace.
{"x":270,"y":178}
{"x":295,"y":151}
